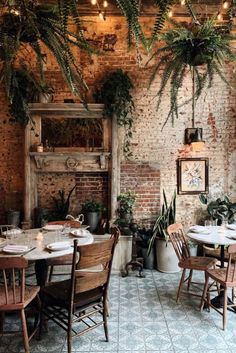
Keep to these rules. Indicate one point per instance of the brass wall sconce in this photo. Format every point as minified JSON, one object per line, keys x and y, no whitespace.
{"x":193,"y":137}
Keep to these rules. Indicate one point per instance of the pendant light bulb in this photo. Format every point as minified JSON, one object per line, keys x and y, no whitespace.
{"x":219,"y":16}
{"x":170,"y":14}
{"x":182,"y":2}
{"x":225,"y":4}
{"x":105,"y":3}
{"x":93,"y":2}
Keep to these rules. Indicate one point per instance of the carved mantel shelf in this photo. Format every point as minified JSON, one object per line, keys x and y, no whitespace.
{"x":49,"y":162}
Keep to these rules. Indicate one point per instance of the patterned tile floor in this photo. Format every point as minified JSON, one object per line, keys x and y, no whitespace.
{"x":144,"y":318}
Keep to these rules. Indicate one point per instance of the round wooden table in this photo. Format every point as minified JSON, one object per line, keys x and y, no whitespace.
{"x":37,"y":241}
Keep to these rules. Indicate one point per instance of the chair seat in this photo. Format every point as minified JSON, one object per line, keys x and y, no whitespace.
{"x":30,"y":294}
{"x":61,"y":260}
{"x":219,"y":275}
{"x":58,"y":293}
{"x":215,"y":252}
{"x":200,"y":263}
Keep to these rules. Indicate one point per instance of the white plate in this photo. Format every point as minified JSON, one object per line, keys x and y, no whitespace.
{"x":80,"y":233}
{"x":231,"y":226}
{"x":12,"y":232}
{"x":199,"y":229}
{"x":15,"y":249}
{"x":53,"y":227}
{"x":59,"y":246}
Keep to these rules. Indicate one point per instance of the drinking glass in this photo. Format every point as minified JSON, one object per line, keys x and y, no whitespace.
{"x":66,"y":229}
{"x":207,"y":223}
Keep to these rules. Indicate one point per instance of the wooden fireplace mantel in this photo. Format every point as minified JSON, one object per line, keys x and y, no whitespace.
{"x":105,"y":160}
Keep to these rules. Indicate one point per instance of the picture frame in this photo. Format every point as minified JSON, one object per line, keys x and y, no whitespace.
{"x":192,"y":176}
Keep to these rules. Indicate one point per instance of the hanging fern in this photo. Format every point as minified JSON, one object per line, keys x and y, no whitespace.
{"x":200,"y":48}
{"x":29,"y":28}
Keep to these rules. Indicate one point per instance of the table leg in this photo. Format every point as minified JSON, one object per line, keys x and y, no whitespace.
{"x":41,"y":271}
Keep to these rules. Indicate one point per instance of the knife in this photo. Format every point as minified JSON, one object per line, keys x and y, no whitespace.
{"x":28,"y":251}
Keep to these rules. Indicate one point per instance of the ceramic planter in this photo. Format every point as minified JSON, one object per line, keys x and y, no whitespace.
{"x":92,"y":219}
{"x":167,"y":260}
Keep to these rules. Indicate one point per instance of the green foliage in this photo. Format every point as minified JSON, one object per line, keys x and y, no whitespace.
{"x":33,"y":25}
{"x":220,"y":209}
{"x":62,"y":204}
{"x":130,"y":9}
{"x":115,"y":94}
{"x":201,"y":48}
{"x":91,"y":206}
{"x":126,"y":202}
{"x":165,"y":218}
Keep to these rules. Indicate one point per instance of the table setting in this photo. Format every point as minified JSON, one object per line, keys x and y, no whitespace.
{"x":47,"y":242}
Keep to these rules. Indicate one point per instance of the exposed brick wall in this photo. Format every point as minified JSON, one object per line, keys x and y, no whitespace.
{"x":150,"y":143}
{"x":88,"y":186}
{"x":92,"y":186}
{"x":143,"y":178}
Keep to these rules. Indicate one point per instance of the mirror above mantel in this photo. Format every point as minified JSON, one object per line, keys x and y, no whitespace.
{"x":89,"y":155}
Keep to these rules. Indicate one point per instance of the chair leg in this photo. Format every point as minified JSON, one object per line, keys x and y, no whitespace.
{"x":190,"y":279}
{"x":204,"y":294}
{"x":25,"y":331}
{"x":69,"y":337}
{"x":50,"y":274}
{"x":37,"y":315}
{"x":2,"y":319}
{"x":225,"y":308}
{"x":105,"y":314}
{"x":180,"y":284}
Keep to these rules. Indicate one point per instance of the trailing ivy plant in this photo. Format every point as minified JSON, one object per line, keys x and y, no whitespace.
{"x":197,"y":48}
{"x":119,"y":104}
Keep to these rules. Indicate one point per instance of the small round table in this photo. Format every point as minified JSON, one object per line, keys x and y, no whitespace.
{"x":217,"y":236}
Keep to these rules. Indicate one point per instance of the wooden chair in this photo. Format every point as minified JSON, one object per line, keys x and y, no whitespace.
{"x":83,"y":297}
{"x":14,"y":295}
{"x":65,"y":260}
{"x":186,"y":261}
{"x":226,"y":277}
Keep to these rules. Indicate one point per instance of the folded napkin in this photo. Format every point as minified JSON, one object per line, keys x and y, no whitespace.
{"x":20,"y":248}
{"x":199,"y":229}
{"x":231,"y":226}
{"x":12,"y":232}
{"x":59,"y":245}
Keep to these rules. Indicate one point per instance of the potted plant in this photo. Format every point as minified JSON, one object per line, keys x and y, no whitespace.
{"x":166,"y":258}
{"x":62,"y":205}
{"x":198,"y":47}
{"x":145,"y":236}
{"x":26,"y":25}
{"x":92,"y":211}
{"x":126,"y":203}
{"x":220,"y":209}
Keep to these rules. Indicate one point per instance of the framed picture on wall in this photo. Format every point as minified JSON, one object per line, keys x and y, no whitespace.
{"x":192,"y":175}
